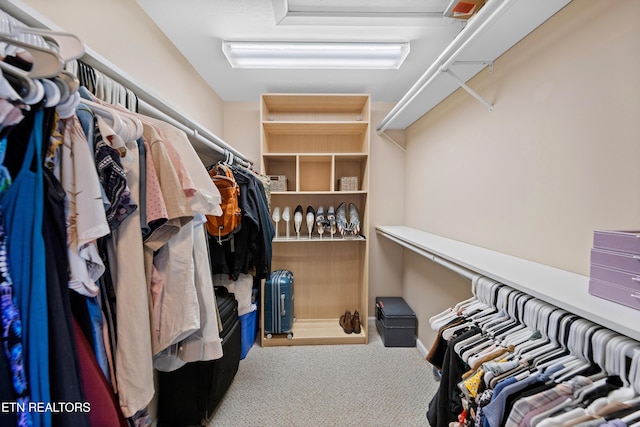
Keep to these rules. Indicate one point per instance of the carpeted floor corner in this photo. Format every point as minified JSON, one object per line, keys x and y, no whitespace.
{"x":329,"y":385}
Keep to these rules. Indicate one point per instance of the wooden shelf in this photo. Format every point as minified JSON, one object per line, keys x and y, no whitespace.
{"x":294,"y":193}
{"x":315,"y":140}
{"x":319,"y":128}
{"x":283,"y":106}
{"x":561,"y":288}
{"x":304,"y":238}
{"x":317,"y":331}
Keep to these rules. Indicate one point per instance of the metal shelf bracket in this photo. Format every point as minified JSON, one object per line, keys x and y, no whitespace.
{"x":465,"y":86}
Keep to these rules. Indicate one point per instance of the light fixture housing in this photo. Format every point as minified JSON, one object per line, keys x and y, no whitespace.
{"x":359,"y":12}
{"x":315,"y":55}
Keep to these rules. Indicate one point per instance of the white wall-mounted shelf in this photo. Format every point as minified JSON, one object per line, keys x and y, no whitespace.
{"x":498,"y":26}
{"x":561,"y":288}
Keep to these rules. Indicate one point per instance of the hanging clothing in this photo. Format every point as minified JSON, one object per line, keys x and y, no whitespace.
{"x":22,"y":208}
{"x":104,"y":410}
{"x":133,"y":357}
{"x":13,"y":356}
{"x":249,"y":250}
{"x":206,"y":198}
{"x":86,"y":218}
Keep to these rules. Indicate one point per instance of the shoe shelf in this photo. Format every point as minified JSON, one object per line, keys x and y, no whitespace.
{"x":310,"y":332}
{"x":328,"y":279}
{"x":304,"y":238}
{"x":320,"y":143}
{"x":315,"y":200}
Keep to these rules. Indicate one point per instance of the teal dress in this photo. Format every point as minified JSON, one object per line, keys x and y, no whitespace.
{"x":22,"y":206}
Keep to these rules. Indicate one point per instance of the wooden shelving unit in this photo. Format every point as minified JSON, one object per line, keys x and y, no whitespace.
{"x":314,"y":140}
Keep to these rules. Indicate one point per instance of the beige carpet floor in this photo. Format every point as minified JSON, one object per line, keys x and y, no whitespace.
{"x":330,"y":385}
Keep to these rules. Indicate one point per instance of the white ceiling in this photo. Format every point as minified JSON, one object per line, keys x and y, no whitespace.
{"x":197,"y":28}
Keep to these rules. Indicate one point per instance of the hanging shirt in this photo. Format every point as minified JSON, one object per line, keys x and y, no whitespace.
{"x":206,"y":199}
{"x":134,"y":369}
{"x":112,"y":174}
{"x":179,"y":211}
{"x":86,"y":218}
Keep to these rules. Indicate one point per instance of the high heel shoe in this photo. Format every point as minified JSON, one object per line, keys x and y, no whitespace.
{"x":297,"y":220}
{"x":341,"y":219}
{"x":311,"y":220}
{"x":354,"y":219}
{"x":320,"y":221}
{"x":286,"y":216}
{"x":331,"y":218}
{"x":276,"y":218}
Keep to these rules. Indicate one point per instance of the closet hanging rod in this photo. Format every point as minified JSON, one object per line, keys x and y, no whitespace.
{"x":467,"y":274}
{"x":28,"y":16}
{"x":476,"y":25}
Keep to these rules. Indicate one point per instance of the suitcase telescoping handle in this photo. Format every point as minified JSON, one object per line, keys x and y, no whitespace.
{"x":283,"y":312}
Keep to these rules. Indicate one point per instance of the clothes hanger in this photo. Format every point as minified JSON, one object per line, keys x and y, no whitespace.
{"x":530,"y":313}
{"x":612,"y":351}
{"x":576,"y":346}
{"x":550,"y":331}
{"x":44,"y":62}
{"x":438,"y":320}
{"x":111,"y":117}
{"x":132,"y":121}
{"x":26,"y":89}
{"x":69,"y":46}
{"x":126,"y":124}
{"x":6,"y":89}
{"x":68,"y":108}
{"x":52,"y":93}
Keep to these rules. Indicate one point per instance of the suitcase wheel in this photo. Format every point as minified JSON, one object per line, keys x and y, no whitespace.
{"x":290,"y":335}
{"x":269,"y":336}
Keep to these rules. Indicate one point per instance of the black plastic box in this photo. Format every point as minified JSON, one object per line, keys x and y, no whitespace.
{"x":396,"y":322}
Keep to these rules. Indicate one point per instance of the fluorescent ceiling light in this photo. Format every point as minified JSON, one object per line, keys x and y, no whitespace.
{"x":315,"y":55}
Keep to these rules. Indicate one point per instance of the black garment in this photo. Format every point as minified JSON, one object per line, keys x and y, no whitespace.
{"x":108,"y":295}
{"x":446,"y":405}
{"x":64,"y":370}
{"x":439,"y":346}
{"x":248,"y":251}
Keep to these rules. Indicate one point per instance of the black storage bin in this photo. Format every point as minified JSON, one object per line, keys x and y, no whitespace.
{"x":396,"y":322}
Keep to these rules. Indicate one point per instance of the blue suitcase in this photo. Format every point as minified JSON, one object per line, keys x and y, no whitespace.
{"x":278,"y":304}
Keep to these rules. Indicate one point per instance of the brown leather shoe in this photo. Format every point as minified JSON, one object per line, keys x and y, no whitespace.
{"x":346,"y":322}
{"x":355,"y":322}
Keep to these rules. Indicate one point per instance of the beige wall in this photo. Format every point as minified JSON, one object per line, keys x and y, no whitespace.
{"x":122,"y":33}
{"x":555,"y":160}
{"x":386,"y":201}
{"x":242,"y":125}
